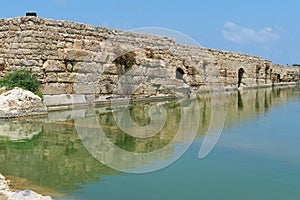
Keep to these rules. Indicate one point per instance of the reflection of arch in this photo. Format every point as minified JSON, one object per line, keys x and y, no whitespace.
{"x":240,"y":76}
{"x":179,"y":73}
{"x":240,"y":101}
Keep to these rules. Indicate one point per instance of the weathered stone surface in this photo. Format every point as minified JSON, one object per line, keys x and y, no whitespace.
{"x":18,"y":102}
{"x":111,"y":69}
{"x":88,"y":67}
{"x":57,"y":88}
{"x":79,"y":55}
{"x":54,"y":66}
{"x":72,"y":55}
{"x":64,"y":99}
{"x":85,"y":88}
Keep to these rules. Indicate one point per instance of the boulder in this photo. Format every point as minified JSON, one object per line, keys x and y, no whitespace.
{"x":19,"y":102}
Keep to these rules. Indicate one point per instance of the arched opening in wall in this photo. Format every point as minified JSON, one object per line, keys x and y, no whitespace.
{"x":266,"y":73}
{"x":240,"y":76}
{"x":258,"y":67}
{"x":179,"y":74}
{"x":279,"y":78}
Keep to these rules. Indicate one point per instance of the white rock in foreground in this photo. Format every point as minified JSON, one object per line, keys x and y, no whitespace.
{"x":18,"y":103}
{"x":6,"y":194}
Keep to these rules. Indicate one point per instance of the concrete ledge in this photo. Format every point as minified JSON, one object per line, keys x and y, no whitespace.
{"x":71,"y":101}
{"x":64,"y":100}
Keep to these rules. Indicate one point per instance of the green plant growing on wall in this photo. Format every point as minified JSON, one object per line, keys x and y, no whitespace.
{"x":127,"y":60}
{"x":23,"y":78}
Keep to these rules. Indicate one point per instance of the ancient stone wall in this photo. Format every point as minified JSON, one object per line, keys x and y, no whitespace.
{"x":75,"y":58}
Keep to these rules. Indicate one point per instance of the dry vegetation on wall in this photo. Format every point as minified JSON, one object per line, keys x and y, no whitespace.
{"x":127,"y":60}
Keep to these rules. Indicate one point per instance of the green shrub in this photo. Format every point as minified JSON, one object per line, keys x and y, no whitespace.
{"x":40,"y":94}
{"x":22,"y":78}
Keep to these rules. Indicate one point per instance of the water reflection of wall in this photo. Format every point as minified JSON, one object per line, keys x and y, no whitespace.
{"x":247,"y":104}
{"x":19,"y":129}
{"x":244,"y":104}
{"x":126,"y":147}
{"x":56,"y":158}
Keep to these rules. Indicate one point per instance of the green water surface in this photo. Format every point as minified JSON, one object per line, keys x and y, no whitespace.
{"x":256,"y":157}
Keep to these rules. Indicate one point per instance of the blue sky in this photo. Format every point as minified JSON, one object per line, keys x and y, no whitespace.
{"x":263,"y":28}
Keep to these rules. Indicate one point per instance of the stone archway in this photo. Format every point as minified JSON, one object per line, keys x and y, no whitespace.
{"x":279,"y":78}
{"x":179,"y":74}
{"x":240,"y":76}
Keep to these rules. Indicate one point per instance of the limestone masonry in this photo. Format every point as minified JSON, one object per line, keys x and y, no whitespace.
{"x":75,"y":60}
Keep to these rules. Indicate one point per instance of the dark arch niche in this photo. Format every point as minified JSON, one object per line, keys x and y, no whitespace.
{"x":179,"y":74}
{"x":279,"y":78}
{"x":240,"y":76}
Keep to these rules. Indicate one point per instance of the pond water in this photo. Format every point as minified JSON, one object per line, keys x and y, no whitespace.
{"x":256,"y":157}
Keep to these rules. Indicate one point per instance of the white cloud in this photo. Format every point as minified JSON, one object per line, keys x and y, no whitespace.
{"x":230,"y":25}
{"x":238,"y":34}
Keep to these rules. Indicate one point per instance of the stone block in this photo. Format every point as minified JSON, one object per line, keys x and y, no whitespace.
{"x":79,"y":55}
{"x":66,"y":77}
{"x":102,"y":57}
{"x":64,"y":99}
{"x":27,"y":63}
{"x":138,"y":70}
{"x":87,"y":88}
{"x":61,"y":44}
{"x":88,"y":78}
{"x":111,"y":69}
{"x":57,"y":88}
{"x":51,"y":77}
{"x":157,"y":72}
{"x":88,"y":67}
{"x":54,"y":66}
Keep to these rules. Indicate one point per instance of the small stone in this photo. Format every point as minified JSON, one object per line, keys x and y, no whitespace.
{"x":54,"y":66}
{"x":78,"y":55}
